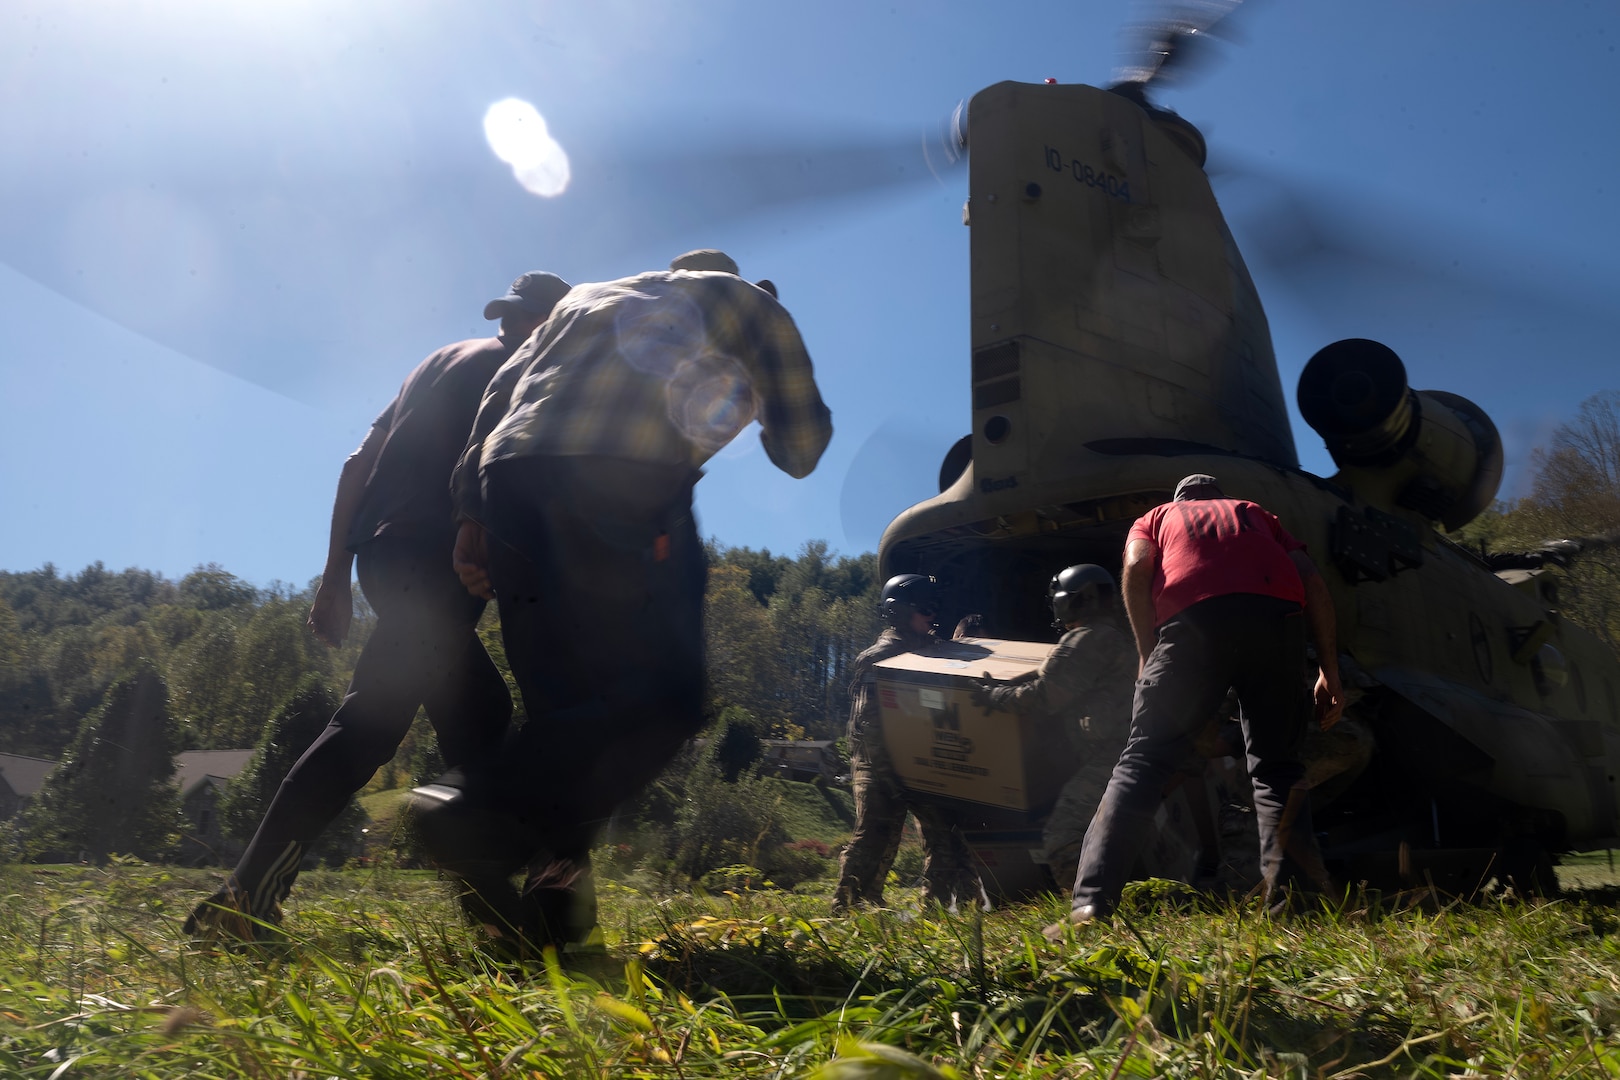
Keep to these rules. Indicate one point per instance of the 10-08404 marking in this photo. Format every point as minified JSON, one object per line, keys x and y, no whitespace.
{"x":1085,"y":174}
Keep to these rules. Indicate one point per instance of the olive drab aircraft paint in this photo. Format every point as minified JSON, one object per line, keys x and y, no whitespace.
{"x":1119,"y":344}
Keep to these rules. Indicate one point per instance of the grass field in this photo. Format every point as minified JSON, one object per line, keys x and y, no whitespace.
{"x":380,"y":980}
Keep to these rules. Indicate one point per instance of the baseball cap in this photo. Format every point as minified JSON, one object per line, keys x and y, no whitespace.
{"x":705,"y":259}
{"x":1198,"y":486}
{"x":536,"y":292}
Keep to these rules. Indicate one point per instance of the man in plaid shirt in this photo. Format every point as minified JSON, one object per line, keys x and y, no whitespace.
{"x":575,"y":497}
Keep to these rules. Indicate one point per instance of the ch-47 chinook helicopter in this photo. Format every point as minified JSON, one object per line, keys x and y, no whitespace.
{"x":1118,"y":343}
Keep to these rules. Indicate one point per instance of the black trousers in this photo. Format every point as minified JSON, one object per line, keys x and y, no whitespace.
{"x":1256,"y":646}
{"x":423,"y":653}
{"x":599,"y":575}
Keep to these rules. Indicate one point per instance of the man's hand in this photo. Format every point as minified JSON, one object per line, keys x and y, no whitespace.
{"x":1329,"y":699}
{"x":984,"y":695}
{"x":471,"y":560}
{"x":330,"y":614}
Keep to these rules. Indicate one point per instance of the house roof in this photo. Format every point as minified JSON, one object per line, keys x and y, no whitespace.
{"x":193,"y":767}
{"x":24,"y":775}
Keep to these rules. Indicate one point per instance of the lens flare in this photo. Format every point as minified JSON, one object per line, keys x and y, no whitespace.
{"x":710,"y":400}
{"x":517,"y":133}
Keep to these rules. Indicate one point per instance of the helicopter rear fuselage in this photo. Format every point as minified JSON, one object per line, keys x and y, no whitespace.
{"x":1118,"y":345}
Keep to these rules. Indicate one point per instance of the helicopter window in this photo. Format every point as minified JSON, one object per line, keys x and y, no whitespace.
{"x":1550,"y":669}
{"x":1577,"y":684}
{"x":996,"y":429}
{"x":1482,"y":647}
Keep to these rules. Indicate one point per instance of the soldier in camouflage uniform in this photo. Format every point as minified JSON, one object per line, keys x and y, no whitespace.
{"x":1088,"y":678}
{"x":909,"y":607}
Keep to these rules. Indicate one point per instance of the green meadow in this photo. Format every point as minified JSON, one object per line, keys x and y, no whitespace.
{"x":380,"y":979}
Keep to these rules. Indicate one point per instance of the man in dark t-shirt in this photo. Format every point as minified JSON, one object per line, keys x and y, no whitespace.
{"x":1218,"y":595}
{"x":392,"y":513}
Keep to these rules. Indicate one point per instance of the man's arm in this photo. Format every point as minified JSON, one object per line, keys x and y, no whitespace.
{"x":466,"y":488}
{"x":470,"y":557}
{"x":330,"y":614}
{"x":795,"y":424}
{"x":1136,"y":583}
{"x":1319,"y":615}
{"x":1044,"y":690}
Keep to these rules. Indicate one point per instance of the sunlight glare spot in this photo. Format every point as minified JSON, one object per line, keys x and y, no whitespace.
{"x":517,"y":133}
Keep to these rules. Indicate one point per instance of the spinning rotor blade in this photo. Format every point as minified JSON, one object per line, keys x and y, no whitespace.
{"x":1169,"y":46}
{"x":303,"y":281}
{"x":708,"y":183}
{"x":1324,"y":245}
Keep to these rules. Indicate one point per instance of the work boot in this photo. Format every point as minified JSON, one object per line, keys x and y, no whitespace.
{"x":226,"y":919}
{"x":957,"y":894}
{"x":1084,"y":915}
{"x":473,"y":843}
{"x":852,"y":894}
{"x":559,"y":904}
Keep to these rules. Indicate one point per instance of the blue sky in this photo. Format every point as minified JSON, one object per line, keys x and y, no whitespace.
{"x":231,"y":230}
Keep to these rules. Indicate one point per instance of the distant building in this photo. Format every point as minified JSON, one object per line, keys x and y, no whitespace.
{"x":800,"y":759}
{"x":202,"y":776}
{"x":20,"y":780}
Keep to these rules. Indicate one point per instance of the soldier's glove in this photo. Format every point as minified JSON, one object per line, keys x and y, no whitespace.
{"x":987,"y":695}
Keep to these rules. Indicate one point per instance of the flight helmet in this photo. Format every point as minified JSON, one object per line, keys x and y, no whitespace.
{"x":1079,"y":591}
{"x":904,"y":594}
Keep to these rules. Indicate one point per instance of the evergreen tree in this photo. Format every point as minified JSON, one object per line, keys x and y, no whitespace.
{"x":114,"y":790}
{"x":744,"y":663}
{"x":782,"y":634}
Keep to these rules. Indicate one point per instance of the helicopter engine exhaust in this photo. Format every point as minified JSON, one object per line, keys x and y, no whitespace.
{"x":1423,"y":450}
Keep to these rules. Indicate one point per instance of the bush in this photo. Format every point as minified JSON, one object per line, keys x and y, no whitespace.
{"x":908,"y":861}
{"x":801,"y":861}
{"x":723,"y":824}
{"x":692,"y":824}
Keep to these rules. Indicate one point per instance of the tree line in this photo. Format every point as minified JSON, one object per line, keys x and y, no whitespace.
{"x":782,"y":632}
{"x":1574,"y":494}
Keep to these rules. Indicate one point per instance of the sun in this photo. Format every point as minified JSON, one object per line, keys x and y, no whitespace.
{"x":517,"y":133}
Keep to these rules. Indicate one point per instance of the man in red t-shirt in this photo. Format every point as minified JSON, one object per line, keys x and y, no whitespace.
{"x":1218,"y":595}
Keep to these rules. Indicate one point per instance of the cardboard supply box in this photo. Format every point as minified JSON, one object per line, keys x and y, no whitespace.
{"x":941,"y":744}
